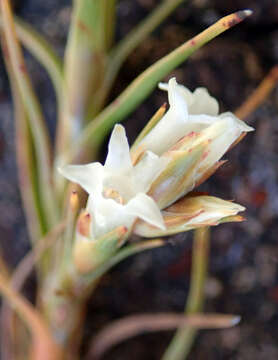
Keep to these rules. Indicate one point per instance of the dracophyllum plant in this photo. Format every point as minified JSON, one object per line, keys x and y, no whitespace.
{"x":148,"y":190}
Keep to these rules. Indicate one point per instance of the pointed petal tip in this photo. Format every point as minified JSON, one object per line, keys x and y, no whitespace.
{"x":247,"y":128}
{"x":172,"y":81}
{"x":239,"y":208}
{"x":118,"y":128}
{"x":118,"y":156}
{"x":163,"y":86}
{"x":159,"y":223}
{"x":63,"y":170}
{"x":67,"y":171}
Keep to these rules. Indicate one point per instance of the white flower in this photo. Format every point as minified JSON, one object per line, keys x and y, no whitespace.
{"x":117,"y":190}
{"x":192,"y":112}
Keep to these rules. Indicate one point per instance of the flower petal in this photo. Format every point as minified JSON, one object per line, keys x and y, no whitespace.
{"x":185,"y":93}
{"x":204,"y":103}
{"x":220,"y":135}
{"x":201,"y":121}
{"x":147,"y":170}
{"x":172,"y":126}
{"x":198,"y":102}
{"x":118,"y":157}
{"x":145,"y":208}
{"x":240,"y":124}
{"x":107,"y":215}
{"x":176,"y":99}
{"x":88,"y":176}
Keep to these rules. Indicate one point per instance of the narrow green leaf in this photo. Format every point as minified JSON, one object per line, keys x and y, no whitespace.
{"x":143,"y":85}
{"x":39,"y":47}
{"x":124,"y":253}
{"x":13,"y":54}
{"x":27,"y":175}
{"x":142,"y":30}
{"x":109,"y":19}
{"x":24,"y":155}
{"x":85,"y":64}
{"x":122,"y":50}
{"x":41,"y":50}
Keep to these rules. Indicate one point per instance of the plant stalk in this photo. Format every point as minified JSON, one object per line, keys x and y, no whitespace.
{"x":182,"y":342}
{"x":129,"y":43}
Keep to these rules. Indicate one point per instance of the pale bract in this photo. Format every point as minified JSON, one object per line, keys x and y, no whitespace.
{"x":192,"y":212}
{"x":117,"y":190}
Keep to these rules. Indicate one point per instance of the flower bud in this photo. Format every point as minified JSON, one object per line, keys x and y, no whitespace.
{"x":192,"y":212}
{"x":88,"y":254}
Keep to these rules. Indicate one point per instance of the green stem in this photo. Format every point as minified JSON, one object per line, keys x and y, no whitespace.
{"x":141,"y":31}
{"x":84,"y":67}
{"x":120,"y":53}
{"x":182,"y":342}
{"x":127,"y":251}
{"x":109,"y":21}
{"x":38,"y":128}
{"x":39,"y":47}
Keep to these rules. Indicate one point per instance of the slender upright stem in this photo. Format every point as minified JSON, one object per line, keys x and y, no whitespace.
{"x":136,"y":36}
{"x":184,"y":337}
{"x":36,"y":122}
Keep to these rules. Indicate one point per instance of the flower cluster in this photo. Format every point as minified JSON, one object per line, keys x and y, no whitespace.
{"x":148,"y":189}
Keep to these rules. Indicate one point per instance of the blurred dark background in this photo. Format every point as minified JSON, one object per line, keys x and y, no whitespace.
{"x":243,"y":263}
